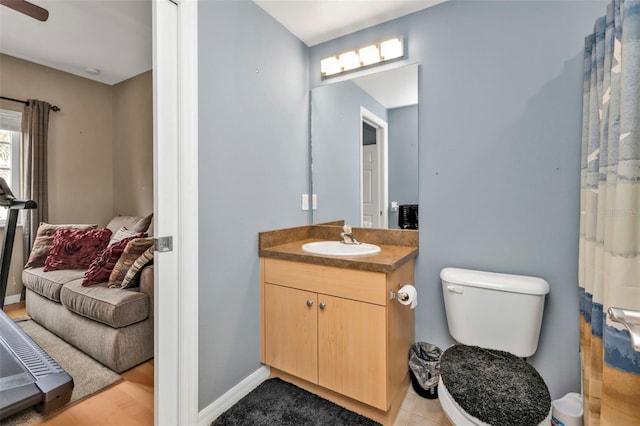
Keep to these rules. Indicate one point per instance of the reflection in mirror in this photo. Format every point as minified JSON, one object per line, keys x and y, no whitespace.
{"x":364,"y":149}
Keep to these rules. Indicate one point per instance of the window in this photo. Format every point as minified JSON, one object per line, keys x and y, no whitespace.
{"x":10,"y":133}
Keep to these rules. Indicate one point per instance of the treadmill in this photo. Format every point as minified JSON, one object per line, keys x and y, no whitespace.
{"x":28,"y":375}
{"x":13,"y":206}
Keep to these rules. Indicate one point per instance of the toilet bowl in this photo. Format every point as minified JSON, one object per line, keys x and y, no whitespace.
{"x":495,"y":318}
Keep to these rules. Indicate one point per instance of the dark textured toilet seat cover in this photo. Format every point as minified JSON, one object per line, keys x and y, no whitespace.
{"x":495,"y":386}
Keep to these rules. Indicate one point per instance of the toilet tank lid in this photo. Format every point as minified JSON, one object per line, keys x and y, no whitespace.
{"x":495,"y":281}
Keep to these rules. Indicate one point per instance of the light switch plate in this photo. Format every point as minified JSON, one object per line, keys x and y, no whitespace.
{"x":305,"y":201}
{"x":314,"y":201}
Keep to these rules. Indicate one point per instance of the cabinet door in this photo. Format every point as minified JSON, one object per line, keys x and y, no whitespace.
{"x":291,"y":331}
{"x":352,"y":354}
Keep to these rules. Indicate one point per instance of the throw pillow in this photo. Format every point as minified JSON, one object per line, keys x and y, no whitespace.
{"x":132,"y":251}
{"x":44,"y":241}
{"x":76,"y":249}
{"x":124,"y":233}
{"x":101,"y":267}
{"x":131,"y":278}
{"x":134,"y":223}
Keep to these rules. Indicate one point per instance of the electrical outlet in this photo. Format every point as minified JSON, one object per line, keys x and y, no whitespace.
{"x":314,"y":201}
{"x":305,"y":202}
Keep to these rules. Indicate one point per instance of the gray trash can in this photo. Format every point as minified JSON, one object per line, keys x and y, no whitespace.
{"x":424,"y":369}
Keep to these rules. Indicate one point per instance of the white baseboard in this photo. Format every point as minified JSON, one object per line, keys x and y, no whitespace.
{"x":10,"y":300}
{"x":233,"y":395}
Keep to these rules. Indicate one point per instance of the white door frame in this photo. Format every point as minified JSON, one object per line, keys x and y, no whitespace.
{"x":382,"y":135}
{"x":175,"y":117}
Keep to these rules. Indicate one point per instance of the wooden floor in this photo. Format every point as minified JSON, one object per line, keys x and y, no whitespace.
{"x":127,"y":403}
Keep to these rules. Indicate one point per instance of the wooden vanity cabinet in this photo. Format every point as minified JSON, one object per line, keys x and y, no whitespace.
{"x":336,"y":328}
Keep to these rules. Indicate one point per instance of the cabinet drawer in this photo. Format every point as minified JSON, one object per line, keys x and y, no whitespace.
{"x":365,"y":286}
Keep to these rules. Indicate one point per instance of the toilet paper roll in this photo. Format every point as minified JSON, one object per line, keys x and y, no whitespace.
{"x":410,"y":291}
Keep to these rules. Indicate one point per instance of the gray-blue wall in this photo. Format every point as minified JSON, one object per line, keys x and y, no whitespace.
{"x":499,"y":149}
{"x":253,"y":166}
{"x":403,"y":158}
{"x":499,"y":140}
{"x":335,"y":149}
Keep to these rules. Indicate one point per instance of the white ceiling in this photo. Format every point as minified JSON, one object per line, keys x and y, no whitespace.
{"x":114,"y":36}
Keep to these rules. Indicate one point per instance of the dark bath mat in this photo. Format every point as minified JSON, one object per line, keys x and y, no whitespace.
{"x":276,"y":402}
{"x":495,"y":386}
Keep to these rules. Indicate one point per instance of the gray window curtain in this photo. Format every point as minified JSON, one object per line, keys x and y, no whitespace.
{"x":35,"y":125}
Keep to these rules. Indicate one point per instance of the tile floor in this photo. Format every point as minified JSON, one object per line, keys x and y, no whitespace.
{"x":419,"y":411}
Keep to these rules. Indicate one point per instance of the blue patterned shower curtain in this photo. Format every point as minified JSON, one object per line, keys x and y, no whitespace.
{"x":609,"y":266}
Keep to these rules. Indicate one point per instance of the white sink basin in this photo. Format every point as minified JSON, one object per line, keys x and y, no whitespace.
{"x":338,"y":248}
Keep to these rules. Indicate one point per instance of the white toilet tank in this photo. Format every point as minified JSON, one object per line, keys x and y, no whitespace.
{"x":495,"y":311}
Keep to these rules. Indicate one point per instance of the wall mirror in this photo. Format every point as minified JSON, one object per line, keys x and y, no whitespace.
{"x":364,"y":148}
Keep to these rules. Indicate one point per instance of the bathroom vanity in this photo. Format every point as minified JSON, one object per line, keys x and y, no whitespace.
{"x":328,"y":323}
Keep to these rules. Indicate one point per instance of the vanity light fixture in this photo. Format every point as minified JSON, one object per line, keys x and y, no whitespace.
{"x":330,"y":66}
{"x":391,"y":49}
{"x":365,"y":56}
{"x":349,"y":61}
{"x":369,"y":55}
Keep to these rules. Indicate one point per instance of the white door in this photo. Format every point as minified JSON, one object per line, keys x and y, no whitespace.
{"x":370,"y":184}
{"x":175,"y":190}
{"x":374,"y":181}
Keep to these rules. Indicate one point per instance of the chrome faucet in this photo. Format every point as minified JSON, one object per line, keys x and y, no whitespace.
{"x":347,"y":236}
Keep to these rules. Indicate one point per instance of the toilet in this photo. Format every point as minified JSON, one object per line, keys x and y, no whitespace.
{"x":495,"y":320}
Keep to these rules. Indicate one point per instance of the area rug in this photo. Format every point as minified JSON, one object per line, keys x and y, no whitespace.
{"x":276,"y":402}
{"x":89,"y":376}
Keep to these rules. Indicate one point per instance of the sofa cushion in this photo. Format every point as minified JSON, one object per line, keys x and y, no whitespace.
{"x":76,"y":249}
{"x":146,"y":285}
{"x":124,"y":233}
{"x":44,"y":241}
{"x":49,"y":284}
{"x":114,"y":307}
{"x":132,"y":223}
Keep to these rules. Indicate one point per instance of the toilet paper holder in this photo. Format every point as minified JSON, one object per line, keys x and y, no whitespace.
{"x":403,"y":297}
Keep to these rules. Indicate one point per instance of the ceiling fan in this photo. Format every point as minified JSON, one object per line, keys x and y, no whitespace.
{"x":27,"y":8}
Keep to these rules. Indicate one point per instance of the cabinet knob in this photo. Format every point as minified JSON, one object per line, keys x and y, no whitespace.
{"x":309,"y":302}
{"x":322,"y":305}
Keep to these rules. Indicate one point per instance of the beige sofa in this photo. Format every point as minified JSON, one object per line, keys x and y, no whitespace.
{"x":112,"y":325}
